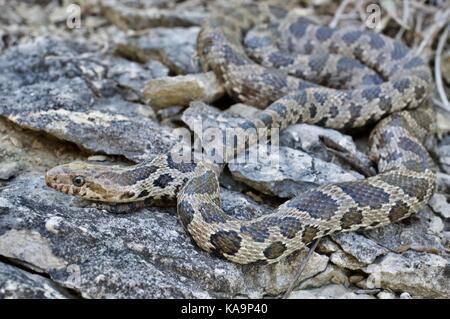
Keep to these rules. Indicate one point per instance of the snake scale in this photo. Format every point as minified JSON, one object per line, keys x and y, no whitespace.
{"x":267,"y":56}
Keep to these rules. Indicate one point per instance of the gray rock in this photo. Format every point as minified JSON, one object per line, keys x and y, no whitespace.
{"x":200,"y":116}
{"x":241,"y":206}
{"x":411,"y":233}
{"x":182,"y":90}
{"x":305,"y":137}
{"x":19,"y":284}
{"x":331,"y":275}
{"x":8,"y":170}
{"x":442,"y":182}
{"x":360,"y":247}
{"x":138,"y":18}
{"x":66,"y":93}
{"x":142,"y":254}
{"x":386,"y":295}
{"x":329,"y":292}
{"x":134,"y":75}
{"x":440,"y":205}
{"x":211,"y":127}
{"x":174,"y":47}
{"x":420,"y":274}
{"x":405,"y":295}
{"x":346,"y":261}
{"x":243,"y":110}
{"x":286,"y":172}
{"x":443,"y":153}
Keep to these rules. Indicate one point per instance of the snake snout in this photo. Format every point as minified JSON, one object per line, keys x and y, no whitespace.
{"x":55,"y":177}
{"x":51,"y":178}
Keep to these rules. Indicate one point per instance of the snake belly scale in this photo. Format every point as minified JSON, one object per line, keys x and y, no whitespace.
{"x":369,"y":78}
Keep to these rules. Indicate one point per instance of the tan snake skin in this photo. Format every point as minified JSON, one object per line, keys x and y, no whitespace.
{"x":338,"y":78}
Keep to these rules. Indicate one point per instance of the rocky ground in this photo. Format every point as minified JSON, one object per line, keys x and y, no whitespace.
{"x":114,"y":90}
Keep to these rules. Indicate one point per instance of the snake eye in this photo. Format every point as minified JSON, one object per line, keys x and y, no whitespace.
{"x":78,"y":181}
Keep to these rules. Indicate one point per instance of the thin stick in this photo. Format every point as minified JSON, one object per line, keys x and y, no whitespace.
{"x":301,"y":268}
{"x":405,"y":19}
{"x":441,"y":19}
{"x":339,"y":12}
{"x":437,"y":69}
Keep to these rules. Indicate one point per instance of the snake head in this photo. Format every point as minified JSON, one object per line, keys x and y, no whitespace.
{"x":86,"y":180}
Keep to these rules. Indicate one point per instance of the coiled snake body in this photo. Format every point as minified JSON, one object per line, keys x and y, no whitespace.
{"x":368,"y":77}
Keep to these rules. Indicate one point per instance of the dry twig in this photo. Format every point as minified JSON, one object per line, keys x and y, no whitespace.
{"x":437,"y":69}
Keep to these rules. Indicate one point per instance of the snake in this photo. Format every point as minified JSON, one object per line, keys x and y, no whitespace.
{"x":294,"y":71}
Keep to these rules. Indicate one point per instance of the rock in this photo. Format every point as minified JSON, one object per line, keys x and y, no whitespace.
{"x":200,"y":116}
{"x":436,"y":225}
{"x":352,"y":295}
{"x":440,"y":205}
{"x":134,"y":75}
{"x":327,"y":246}
{"x":70,"y":97}
{"x":412,"y":232}
{"x":442,"y":182}
{"x":305,"y":137}
{"x":145,"y":254}
{"x":344,"y":260}
{"x":355,"y":279}
{"x":422,"y":275}
{"x":285,"y":172}
{"x":363,"y":249}
{"x":442,"y":122}
{"x":241,"y":206}
{"x":138,"y":18}
{"x":443,"y":153}
{"x":182,"y":89}
{"x":386,"y":295}
{"x":245,"y":111}
{"x":174,"y":47}
{"x":211,"y":127}
{"x":329,"y":292}
{"x":9,"y":170}
{"x":331,"y":275}
{"x":135,"y":138}
{"x":18,"y":284}
{"x":405,"y":295}
{"x":31,"y":249}
{"x":302,"y":294}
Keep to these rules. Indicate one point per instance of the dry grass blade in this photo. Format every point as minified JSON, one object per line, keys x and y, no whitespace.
{"x":441,"y":18}
{"x":301,"y":268}
{"x":339,"y":13}
{"x":437,"y":70}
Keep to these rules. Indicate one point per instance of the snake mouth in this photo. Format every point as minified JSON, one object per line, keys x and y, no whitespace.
{"x":52,"y":182}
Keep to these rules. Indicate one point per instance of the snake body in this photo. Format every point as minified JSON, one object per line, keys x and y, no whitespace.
{"x":390,"y":86}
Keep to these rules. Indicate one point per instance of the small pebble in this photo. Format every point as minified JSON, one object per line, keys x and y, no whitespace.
{"x":405,"y":295}
{"x":9,"y":170}
{"x":385,"y":295}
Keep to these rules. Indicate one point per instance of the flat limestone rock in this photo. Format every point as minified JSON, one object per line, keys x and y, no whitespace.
{"x":419,"y":274}
{"x":286,"y":172}
{"x":138,"y":18}
{"x":174,"y":47}
{"x":19,"y":284}
{"x":67,"y":93}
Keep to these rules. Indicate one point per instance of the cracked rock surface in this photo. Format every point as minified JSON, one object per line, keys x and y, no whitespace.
{"x":115,"y":90}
